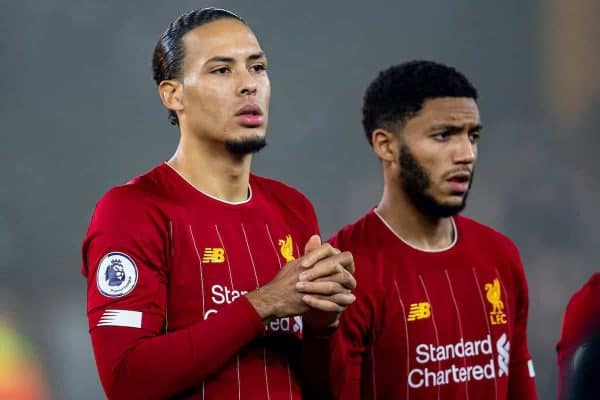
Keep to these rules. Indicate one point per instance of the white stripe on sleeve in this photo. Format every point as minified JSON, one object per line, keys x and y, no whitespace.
{"x":131,"y":319}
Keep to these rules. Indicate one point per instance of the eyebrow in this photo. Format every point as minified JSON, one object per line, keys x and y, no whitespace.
{"x":455,"y":127}
{"x":227,"y":59}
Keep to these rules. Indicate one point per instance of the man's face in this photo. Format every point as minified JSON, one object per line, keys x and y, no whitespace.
{"x":226,"y":88}
{"x":438,"y":150}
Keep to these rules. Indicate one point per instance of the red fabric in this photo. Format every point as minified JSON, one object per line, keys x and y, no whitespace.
{"x":379,"y":352}
{"x":581,"y":320}
{"x":195,"y":257}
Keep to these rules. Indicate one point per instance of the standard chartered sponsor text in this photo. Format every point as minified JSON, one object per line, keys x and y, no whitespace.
{"x":427,"y":376}
{"x":221,"y":294}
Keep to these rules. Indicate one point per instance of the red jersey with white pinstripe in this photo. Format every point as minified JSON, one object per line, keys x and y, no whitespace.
{"x":448,"y":324}
{"x":167,"y":269}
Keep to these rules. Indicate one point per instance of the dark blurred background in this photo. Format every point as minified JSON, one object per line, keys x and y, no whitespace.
{"x":80,"y":114}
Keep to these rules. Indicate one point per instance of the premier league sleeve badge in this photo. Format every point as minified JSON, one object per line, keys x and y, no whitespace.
{"x":117,"y":275}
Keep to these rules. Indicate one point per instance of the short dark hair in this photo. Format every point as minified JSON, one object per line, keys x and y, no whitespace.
{"x":399,"y":92}
{"x":169,"y":52}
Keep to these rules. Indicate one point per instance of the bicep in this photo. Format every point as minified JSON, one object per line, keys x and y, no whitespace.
{"x":126,"y":286}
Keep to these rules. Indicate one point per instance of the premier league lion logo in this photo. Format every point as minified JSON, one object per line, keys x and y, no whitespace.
{"x":115,"y":273}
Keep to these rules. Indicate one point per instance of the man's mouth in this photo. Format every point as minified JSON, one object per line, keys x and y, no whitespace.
{"x":250,"y":116}
{"x":459,"y":182}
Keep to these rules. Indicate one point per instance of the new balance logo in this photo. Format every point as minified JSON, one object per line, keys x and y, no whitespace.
{"x":213,"y":255}
{"x":419,"y":311}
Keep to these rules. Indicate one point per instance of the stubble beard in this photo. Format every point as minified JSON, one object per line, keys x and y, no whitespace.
{"x":415,"y":181}
{"x":245,"y":146}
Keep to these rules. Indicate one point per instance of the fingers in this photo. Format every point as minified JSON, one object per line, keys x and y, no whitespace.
{"x":322,"y":287}
{"x":344,"y":278}
{"x":334,"y":303}
{"x":313,"y":243}
{"x":329,"y":266}
{"x":341,"y":282}
{"x":348,"y":262}
{"x":323,"y":251}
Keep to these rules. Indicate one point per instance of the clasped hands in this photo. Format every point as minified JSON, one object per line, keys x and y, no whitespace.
{"x":317,"y":286}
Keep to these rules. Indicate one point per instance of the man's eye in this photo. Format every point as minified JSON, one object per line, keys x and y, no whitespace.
{"x":441,"y":136}
{"x":220,"y":70}
{"x":474,"y":137}
{"x":258,"y":67}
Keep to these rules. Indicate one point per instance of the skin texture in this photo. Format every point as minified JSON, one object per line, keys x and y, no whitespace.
{"x":441,"y":142}
{"x":219,"y":79}
{"x":225,"y":70}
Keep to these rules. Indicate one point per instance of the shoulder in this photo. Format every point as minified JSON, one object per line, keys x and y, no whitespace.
{"x":282,"y":196}
{"x":496,"y":249}
{"x":134,"y":199}
{"x":582,"y":315}
{"x":486,"y":237}
{"x":588,"y":295}
{"x":353,"y":236}
{"x":127,"y":220}
{"x":130,"y":197}
{"x":274,"y":188}
{"x":593,"y":284}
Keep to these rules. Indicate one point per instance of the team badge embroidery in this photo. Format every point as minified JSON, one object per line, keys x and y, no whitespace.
{"x":493,"y":293}
{"x":286,"y":247}
{"x":117,"y":275}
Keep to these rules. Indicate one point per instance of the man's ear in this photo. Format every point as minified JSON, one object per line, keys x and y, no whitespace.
{"x":385,"y":145}
{"x":171,"y":94}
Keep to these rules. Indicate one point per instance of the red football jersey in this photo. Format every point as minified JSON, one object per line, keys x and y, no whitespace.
{"x":580,"y":323}
{"x":447,"y":324}
{"x":167,"y":268}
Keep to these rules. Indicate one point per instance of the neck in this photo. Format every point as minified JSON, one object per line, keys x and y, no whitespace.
{"x":417,"y":229}
{"x":211,"y":169}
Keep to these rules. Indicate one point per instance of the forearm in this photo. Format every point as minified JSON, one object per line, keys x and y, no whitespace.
{"x":132,"y":365}
{"x":316,"y":365}
{"x":264,"y":303}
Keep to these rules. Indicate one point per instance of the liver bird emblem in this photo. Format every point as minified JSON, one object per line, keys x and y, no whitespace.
{"x":286,"y":247}
{"x":493,"y":295}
